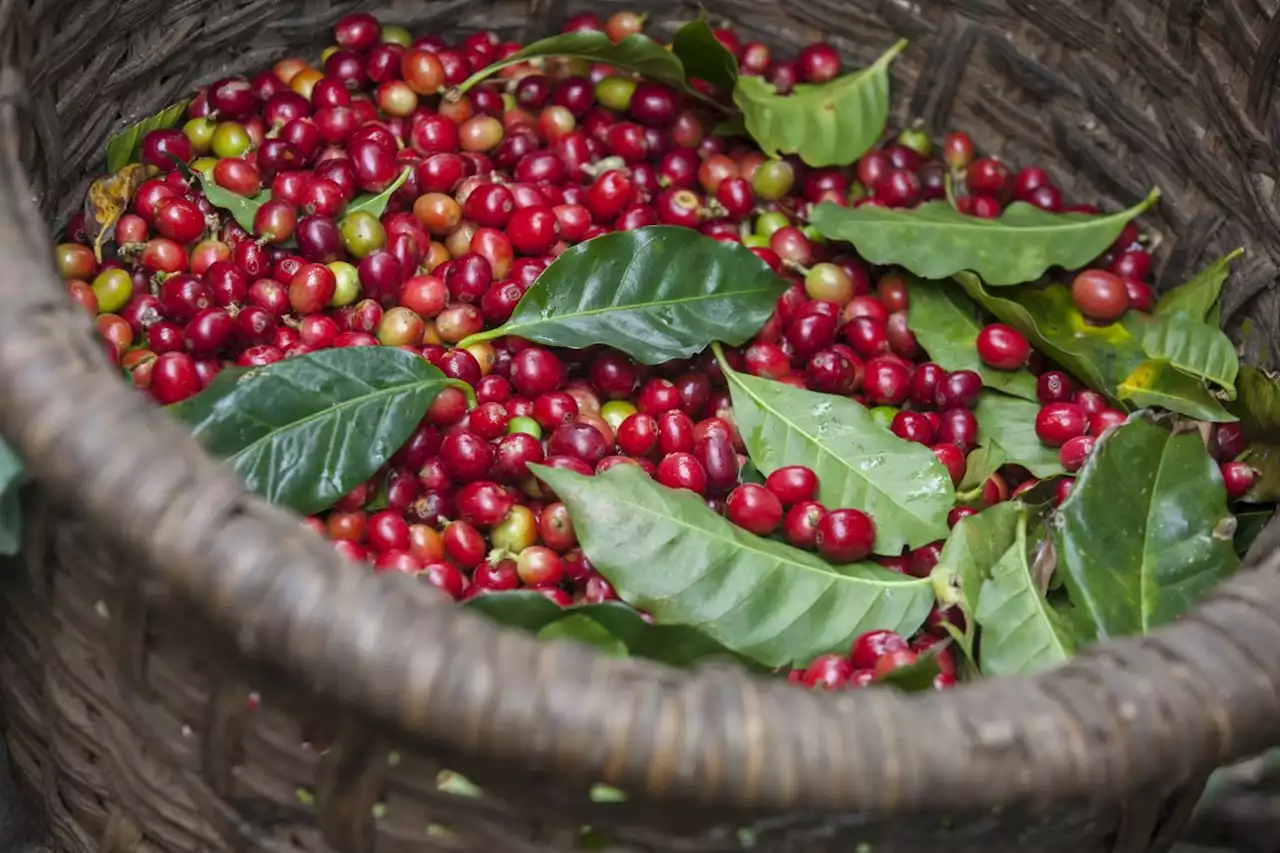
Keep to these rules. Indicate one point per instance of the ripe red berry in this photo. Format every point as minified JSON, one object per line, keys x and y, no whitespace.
{"x":754,"y":508}
{"x":1100,"y":295}
{"x":682,"y":471}
{"x":1238,"y":478}
{"x":1002,"y":347}
{"x":793,"y":484}
{"x":891,"y":661}
{"x":800,"y":525}
{"x":952,"y":458}
{"x":1056,"y":423}
{"x":1075,"y":451}
{"x":1054,"y":386}
{"x":827,"y":672}
{"x":845,"y":535}
{"x":870,"y":647}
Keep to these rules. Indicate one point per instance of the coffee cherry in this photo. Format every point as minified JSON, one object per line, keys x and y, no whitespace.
{"x":892,"y":661}
{"x":1238,"y":477}
{"x":845,"y":535}
{"x":869,"y":648}
{"x":1057,"y":423}
{"x":793,"y":484}
{"x":800,"y":525}
{"x":958,"y":389}
{"x":952,"y":458}
{"x":1054,"y":386}
{"x":1002,"y":347}
{"x":1228,"y":442}
{"x":1075,"y":451}
{"x":1100,"y":295}
{"x":827,"y":672}
{"x":682,"y":471}
{"x":754,"y":508}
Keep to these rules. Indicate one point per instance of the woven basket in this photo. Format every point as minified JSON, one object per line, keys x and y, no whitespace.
{"x":185,"y":669}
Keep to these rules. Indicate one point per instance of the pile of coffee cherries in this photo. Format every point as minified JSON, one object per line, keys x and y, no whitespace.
{"x":500,"y":181}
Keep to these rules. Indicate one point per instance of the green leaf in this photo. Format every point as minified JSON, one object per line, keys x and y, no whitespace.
{"x":859,"y":463}
{"x":1258,"y":407}
{"x":935,"y":240}
{"x":1189,"y":344}
{"x":703,"y":56}
{"x":1021,"y":633}
{"x":947,"y":324}
{"x":1248,"y":526}
{"x":242,"y":208}
{"x":1157,"y":383}
{"x":732,"y":126}
{"x":583,"y":629}
{"x":123,"y":148}
{"x":656,"y":293}
{"x":11,"y":478}
{"x":975,"y":544}
{"x":982,"y":462}
{"x":676,"y":645}
{"x":831,"y":124}
{"x":667,"y":553}
{"x":1145,"y":531}
{"x":377,"y":204}
{"x":750,"y":474}
{"x":1198,"y":296}
{"x":305,"y":431}
{"x":10,"y":523}
{"x":1099,"y":356}
{"x":637,"y":53}
{"x":1011,"y":422}
{"x":1265,"y":459}
{"x":1257,"y":403}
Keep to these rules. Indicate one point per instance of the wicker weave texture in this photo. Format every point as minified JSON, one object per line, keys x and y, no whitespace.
{"x":184,"y":669}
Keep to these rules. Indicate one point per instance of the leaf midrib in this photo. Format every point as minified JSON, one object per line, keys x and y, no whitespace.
{"x":814,"y":441}
{"x":1143,"y":571}
{"x":741,"y":546}
{"x":341,"y":407}
{"x":899,"y":220}
{"x":705,"y":297}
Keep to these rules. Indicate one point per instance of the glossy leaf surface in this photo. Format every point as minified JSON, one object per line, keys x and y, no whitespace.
{"x":377,"y":204}
{"x":305,"y":431}
{"x":11,"y":479}
{"x":975,"y":544}
{"x":936,"y":241}
{"x":637,"y":53}
{"x":1157,"y":383}
{"x":859,"y":463}
{"x":1198,"y":296}
{"x":947,"y":323}
{"x":677,"y":645}
{"x":1099,"y":356}
{"x":667,"y":553}
{"x":124,"y":147}
{"x":1021,"y":633}
{"x":1191,"y":345}
{"x":656,"y":293}
{"x":1146,"y":531}
{"x":703,"y":57}
{"x":1258,"y":407}
{"x":831,"y":124}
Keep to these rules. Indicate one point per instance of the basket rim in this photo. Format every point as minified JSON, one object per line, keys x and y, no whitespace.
{"x":1119,"y":720}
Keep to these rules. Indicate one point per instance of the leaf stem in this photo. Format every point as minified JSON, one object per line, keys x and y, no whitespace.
{"x":467,"y":391}
{"x":481,"y":337}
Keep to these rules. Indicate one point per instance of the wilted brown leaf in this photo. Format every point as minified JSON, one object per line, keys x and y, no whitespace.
{"x":107,"y":200}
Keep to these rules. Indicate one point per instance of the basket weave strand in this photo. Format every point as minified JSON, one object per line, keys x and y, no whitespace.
{"x":155,"y":595}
